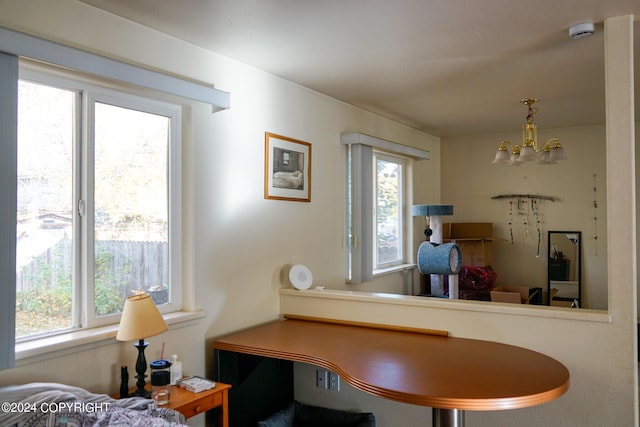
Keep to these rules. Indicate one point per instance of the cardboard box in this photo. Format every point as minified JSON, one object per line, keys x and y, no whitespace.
{"x":511,"y":294}
{"x":560,"y":301}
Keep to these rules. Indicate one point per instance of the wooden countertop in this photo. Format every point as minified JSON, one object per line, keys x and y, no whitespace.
{"x":407,"y":366}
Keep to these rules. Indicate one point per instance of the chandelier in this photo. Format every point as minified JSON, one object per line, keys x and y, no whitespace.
{"x":547,"y":154}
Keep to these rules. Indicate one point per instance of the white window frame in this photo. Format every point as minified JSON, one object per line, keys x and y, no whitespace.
{"x":360,"y":233}
{"x":88,"y":93}
{"x":15,"y":45}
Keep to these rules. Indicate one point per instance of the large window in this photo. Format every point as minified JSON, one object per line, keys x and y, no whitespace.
{"x":378,"y":177}
{"x":98,"y":203}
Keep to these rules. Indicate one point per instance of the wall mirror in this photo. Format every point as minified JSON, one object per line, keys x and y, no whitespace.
{"x":564,"y":267}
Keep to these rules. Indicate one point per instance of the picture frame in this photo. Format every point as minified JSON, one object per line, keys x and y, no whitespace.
{"x":287,"y":168}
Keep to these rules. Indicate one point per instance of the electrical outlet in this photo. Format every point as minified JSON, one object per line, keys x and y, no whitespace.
{"x":334,"y":381}
{"x":322,"y":378}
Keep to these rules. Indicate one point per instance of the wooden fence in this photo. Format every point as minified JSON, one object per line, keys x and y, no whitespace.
{"x":131,"y":264}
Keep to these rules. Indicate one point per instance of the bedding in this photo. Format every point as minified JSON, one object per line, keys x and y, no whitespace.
{"x":53,"y":404}
{"x":293,"y":180}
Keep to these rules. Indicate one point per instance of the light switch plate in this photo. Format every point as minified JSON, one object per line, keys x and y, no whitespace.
{"x":322,"y":378}
{"x":334,"y":381}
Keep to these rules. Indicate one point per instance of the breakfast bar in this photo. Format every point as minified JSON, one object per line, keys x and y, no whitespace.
{"x":415,"y":366}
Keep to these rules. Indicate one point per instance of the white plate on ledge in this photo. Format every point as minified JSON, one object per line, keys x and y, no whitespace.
{"x":300,"y":277}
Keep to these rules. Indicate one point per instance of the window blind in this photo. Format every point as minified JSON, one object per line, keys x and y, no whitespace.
{"x":8,"y":205}
{"x":25,"y":45}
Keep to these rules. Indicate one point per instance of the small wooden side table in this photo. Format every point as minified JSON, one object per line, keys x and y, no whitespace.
{"x":191,"y":404}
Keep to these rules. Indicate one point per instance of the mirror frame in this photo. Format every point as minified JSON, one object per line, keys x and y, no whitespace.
{"x":554,"y":268}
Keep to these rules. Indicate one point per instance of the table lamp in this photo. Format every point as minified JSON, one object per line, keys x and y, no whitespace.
{"x":140,"y":319}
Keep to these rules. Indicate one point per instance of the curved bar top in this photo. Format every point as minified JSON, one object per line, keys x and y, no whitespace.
{"x":406,"y":366}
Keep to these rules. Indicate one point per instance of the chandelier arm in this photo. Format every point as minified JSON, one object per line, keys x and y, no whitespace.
{"x":537,"y":149}
{"x":514,"y":147}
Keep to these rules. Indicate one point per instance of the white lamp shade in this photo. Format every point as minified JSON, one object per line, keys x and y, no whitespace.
{"x":513,"y":160}
{"x":557,"y":153}
{"x":140,"y":319}
{"x":546,"y":158}
{"x":527,"y":153}
{"x":502,"y":156}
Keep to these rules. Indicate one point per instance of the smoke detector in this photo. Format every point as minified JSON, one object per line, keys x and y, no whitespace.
{"x":579,"y":31}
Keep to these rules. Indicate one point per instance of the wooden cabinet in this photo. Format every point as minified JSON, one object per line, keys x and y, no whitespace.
{"x":191,"y":404}
{"x":475,"y":240}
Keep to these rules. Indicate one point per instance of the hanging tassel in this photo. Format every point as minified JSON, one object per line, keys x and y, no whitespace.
{"x":511,"y":220}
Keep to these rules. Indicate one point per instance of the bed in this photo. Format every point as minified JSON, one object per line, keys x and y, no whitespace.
{"x":53,"y":404}
{"x":293,"y":180}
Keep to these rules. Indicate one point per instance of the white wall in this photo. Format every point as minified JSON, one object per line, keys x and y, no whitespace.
{"x":469,"y":180}
{"x":238,"y":245}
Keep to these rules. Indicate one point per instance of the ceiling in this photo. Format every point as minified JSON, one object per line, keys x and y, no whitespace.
{"x":448,"y":67}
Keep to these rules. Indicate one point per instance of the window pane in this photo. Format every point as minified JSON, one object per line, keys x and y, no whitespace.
{"x":44,"y":263}
{"x":131,"y":206}
{"x":388,"y":212}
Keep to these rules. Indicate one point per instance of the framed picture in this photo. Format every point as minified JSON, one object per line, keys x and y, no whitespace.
{"x":287,"y":168}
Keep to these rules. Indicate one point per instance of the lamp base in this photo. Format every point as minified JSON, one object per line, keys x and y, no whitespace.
{"x":141,"y":369}
{"x":144,"y":393}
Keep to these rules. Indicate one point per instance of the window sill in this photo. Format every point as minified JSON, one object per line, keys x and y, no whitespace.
{"x":71,"y":342}
{"x":393,"y":269}
{"x":295,"y":304}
